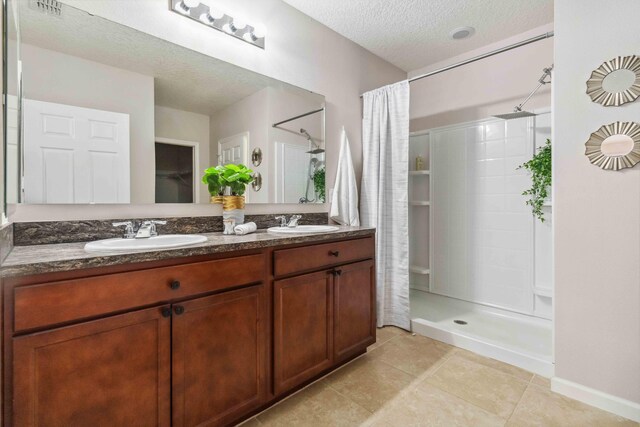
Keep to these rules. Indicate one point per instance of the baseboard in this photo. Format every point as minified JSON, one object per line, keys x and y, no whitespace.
{"x":606,"y":402}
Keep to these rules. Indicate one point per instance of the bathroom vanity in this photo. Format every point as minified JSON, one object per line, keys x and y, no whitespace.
{"x":203,"y":335}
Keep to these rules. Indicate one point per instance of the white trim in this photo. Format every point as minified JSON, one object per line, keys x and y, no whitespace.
{"x":530,"y":362}
{"x":196,"y":160}
{"x":607,"y":402}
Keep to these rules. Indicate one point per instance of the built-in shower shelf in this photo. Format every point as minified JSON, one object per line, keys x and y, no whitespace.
{"x":420,"y":203}
{"x":419,"y":270}
{"x":419,"y":173}
{"x":543,"y":292}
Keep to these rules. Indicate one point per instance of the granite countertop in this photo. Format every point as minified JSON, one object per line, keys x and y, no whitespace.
{"x":36,"y":259}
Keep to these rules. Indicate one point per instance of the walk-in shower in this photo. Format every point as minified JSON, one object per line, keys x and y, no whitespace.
{"x":480,"y":272}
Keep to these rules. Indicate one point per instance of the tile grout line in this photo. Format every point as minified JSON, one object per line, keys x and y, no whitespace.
{"x":519,"y":401}
{"x":473,"y":404}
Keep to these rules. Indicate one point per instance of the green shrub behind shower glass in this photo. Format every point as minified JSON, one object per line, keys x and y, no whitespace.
{"x":540,"y":168}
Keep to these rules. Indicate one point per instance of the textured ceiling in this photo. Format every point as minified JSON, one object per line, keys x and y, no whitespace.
{"x":184,"y":79}
{"x":412,"y":34}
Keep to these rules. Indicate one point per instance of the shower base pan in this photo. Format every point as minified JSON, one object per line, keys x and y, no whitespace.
{"x":509,"y":337}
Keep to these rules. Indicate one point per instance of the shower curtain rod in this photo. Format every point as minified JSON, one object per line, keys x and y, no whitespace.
{"x":275,"y":125}
{"x":483,"y":56}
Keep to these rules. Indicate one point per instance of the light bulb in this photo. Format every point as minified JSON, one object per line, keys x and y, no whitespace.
{"x":259,"y":31}
{"x":191,"y":3}
{"x":228,"y":29}
{"x":215,"y":13}
{"x":181,"y":7}
{"x":248,"y":36}
{"x":238,"y":23}
{"x":206,"y":19}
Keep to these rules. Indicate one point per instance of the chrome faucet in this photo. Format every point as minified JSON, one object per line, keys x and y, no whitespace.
{"x":129,"y":232}
{"x":283,"y":220}
{"x":293,"y":222}
{"x":145,"y":230}
{"x":148,"y":229}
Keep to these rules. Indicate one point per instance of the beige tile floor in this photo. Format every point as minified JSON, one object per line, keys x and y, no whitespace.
{"x":407,"y":380}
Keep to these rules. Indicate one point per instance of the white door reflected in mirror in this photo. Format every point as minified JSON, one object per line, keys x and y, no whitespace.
{"x":618,"y":81}
{"x":617,"y":145}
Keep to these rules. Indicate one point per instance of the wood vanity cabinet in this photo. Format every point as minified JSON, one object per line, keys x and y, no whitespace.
{"x":219,"y":353}
{"x":325,"y":317}
{"x":203,"y":341}
{"x":113,"y":371}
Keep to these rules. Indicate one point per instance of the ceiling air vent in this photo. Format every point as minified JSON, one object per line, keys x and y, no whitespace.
{"x":50,"y":7}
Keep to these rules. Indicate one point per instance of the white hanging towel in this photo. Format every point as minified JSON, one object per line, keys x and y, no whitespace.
{"x":344,"y":202}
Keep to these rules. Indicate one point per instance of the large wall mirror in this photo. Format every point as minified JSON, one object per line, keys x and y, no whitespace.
{"x":103,"y":113}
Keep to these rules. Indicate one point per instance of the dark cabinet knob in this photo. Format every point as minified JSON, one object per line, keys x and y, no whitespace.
{"x":334,"y":253}
{"x":165,"y":311}
{"x":175,"y":285}
{"x":178,"y":309}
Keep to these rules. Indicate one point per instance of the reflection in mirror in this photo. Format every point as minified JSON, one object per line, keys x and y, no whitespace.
{"x":12,"y":163}
{"x":618,"y":81}
{"x":615,"y":82}
{"x":120,"y":116}
{"x":617,"y":145}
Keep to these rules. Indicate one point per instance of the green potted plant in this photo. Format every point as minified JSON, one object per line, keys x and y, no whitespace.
{"x":215,"y":183}
{"x":540,"y":168}
{"x":235,"y":178}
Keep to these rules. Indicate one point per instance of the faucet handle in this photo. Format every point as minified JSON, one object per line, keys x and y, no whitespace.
{"x":153,"y":224}
{"x":283,"y":220}
{"x":293,"y":222}
{"x":129,"y":233}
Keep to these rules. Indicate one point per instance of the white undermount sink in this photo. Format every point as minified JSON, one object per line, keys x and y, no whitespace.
{"x":166,"y":241}
{"x":315,"y":229}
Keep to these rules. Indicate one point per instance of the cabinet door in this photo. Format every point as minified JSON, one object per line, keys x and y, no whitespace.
{"x":354,"y":309}
{"x":303,"y":328}
{"x":219,"y":357}
{"x":109,"y":372}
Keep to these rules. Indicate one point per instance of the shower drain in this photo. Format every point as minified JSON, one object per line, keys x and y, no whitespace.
{"x":460,"y":322}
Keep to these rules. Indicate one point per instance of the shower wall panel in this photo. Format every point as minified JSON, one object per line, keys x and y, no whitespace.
{"x":483,"y":230}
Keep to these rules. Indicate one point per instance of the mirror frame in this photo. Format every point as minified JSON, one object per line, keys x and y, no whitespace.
{"x":595,"y":88}
{"x":594,"y":146}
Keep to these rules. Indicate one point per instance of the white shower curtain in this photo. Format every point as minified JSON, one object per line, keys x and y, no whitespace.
{"x":384,"y":194}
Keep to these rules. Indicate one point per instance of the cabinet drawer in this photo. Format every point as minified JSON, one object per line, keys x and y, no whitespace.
{"x":53,"y":303}
{"x":287,"y":261}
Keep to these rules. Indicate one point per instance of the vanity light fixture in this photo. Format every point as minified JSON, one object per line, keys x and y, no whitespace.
{"x":212,"y":17}
{"x":184,"y":6}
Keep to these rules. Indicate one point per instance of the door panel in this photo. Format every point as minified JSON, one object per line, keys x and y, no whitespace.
{"x":354,"y":309}
{"x":303,"y":328}
{"x":114,"y":371}
{"x":75,"y":155}
{"x":219,"y":357}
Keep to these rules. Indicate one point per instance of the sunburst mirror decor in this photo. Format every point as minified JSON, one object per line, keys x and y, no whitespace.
{"x":615,"y":82}
{"x":615,"y":146}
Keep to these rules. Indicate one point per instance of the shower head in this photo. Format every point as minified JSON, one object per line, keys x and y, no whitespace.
{"x":518,"y":114}
{"x":317,"y":149}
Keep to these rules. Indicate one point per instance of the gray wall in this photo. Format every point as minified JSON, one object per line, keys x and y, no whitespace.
{"x":596,"y":212}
